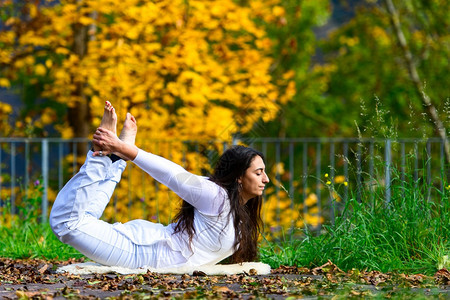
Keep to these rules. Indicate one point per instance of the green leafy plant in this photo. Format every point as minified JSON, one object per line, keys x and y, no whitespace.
{"x":410,"y":233}
{"x":25,"y":236}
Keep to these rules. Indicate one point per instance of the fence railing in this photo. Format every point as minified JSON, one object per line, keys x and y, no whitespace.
{"x":298,"y":167}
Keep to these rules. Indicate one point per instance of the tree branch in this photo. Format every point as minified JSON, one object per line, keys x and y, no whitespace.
{"x":414,"y":76}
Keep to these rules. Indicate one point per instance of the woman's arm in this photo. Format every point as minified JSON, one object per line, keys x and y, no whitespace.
{"x":110,"y":143}
{"x":200,"y":192}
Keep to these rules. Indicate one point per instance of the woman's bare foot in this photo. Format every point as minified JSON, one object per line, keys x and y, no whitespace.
{"x":109,"y":120}
{"x":129,"y":130}
{"x":127,"y":137}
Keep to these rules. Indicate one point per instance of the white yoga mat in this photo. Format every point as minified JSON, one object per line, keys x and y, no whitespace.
{"x":95,"y":268}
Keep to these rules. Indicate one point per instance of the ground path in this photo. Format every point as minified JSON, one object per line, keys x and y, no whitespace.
{"x":37,"y":279}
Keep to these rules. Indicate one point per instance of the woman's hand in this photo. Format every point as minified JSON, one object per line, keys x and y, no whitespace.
{"x":105,"y":140}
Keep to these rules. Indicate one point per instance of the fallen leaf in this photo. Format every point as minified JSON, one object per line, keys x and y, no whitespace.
{"x":221,"y":289}
{"x":442,"y":277}
{"x":376,"y":277}
{"x":43,"y":269}
{"x":198,"y":273}
{"x":328,"y":267}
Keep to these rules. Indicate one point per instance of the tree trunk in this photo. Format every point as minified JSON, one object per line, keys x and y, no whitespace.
{"x":79,"y":116}
{"x":414,"y":76}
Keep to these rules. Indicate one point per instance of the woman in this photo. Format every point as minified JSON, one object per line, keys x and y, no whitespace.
{"x":219,"y":217}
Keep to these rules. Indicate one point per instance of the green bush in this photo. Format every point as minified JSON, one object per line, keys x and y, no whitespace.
{"x":410,"y":234}
{"x":25,"y":236}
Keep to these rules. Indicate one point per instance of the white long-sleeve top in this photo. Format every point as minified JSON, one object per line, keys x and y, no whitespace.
{"x":214,"y":231}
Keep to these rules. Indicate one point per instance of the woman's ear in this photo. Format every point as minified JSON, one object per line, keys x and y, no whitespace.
{"x":239,"y":180}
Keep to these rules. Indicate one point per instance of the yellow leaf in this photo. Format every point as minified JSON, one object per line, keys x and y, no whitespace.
{"x":278,"y":11}
{"x":86,"y":20}
{"x":48,"y":63}
{"x":4,"y":82}
{"x":311,"y":200}
{"x":61,"y":50}
{"x":32,"y":10}
{"x":29,"y":60}
{"x":339,"y":179}
{"x":40,"y":70}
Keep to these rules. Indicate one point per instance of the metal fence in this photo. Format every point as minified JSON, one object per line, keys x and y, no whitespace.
{"x":297,"y":166}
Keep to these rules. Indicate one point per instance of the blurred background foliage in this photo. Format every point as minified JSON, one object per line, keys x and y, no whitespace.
{"x":219,"y":69}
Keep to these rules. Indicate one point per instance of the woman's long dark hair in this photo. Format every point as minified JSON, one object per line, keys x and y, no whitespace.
{"x":246,"y":218}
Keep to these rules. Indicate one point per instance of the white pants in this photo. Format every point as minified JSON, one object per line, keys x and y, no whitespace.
{"x":75,"y":220}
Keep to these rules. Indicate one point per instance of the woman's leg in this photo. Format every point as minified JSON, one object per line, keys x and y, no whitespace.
{"x":79,"y":205}
{"x":80,"y":196}
{"x":75,"y":221}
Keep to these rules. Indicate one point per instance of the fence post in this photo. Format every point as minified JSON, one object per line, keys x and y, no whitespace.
{"x":387,"y":159}
{"x":443,"y":172}
{"x":1,"y":200}
{"x":60,"y":165}
{"x":305,"y":175}
{"x":416,"y":162}
{"x":318,"y":176}
{"x":347,"y":177}
{"x":332,"y":200}
{"x":359,"y":172}
{"x":291,"y":172}
{"x":291,"y":179}
{"x":13,"y":178}
{"x":428,"y":164}
{"x":27,"y":166}
{"x":278,"y":179}
{"x":45,"y":154}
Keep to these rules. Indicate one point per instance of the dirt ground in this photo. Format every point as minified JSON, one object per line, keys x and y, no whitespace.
{"x":37,"y":279}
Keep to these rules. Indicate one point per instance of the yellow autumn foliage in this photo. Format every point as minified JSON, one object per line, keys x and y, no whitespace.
{"x":203,"y":66}
{"x":194,"y":71}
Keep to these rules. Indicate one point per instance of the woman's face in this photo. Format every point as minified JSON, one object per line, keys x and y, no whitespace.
{"x":254,"y":179}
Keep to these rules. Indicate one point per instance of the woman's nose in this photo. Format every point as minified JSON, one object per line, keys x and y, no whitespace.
{"x":266,"y":178}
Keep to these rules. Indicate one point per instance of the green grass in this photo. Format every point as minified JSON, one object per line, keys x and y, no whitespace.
{"x":24,"y":236}
{"x":33,"y":240}
{"x":410,"y":234}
